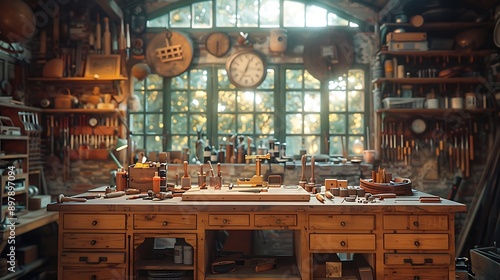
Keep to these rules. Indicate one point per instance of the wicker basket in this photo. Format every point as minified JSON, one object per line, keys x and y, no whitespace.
{"x":400,"y":186}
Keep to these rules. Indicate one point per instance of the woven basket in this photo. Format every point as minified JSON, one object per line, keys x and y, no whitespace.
{"x":400,"y":186}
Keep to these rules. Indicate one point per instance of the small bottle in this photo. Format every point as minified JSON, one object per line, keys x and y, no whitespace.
{"x":207,"y":151}
{"x":178,"y":249}
{"x":187,"y":252}
{"x":156,"y":183}
{"x":121,"y":179}
{"x":389,"y":68}
{"x":213,"y":155}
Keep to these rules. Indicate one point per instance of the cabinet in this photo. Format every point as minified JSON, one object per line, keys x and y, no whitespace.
{"x":392,"y":239}
{"x":434,"y":100}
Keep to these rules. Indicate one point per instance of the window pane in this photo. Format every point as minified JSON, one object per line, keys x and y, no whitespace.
{"x":356,"y":80}
{"x":227,"y":124}
{"x":312,"y":123}
{"x":223,"y":80}
{"x":351,"y":142}
{"x":226,"y":101}
{"x":336,"y":145}
{"x":337,"y":123}
{"x":180,"y":82}
{"x":226,"y":13}
{"x":264,"y":123}
{"x":245,"y":124}
{"x":198,"y":101}
{"x":179,"y":101}
{"x":333,"y":19}
{"x":137,"y":121}
{"x":154,"y":81}
{"x":268,"y":83}
{"x":312,"y":144}
{"x":356,"y":124}
{"x":294,"y":123}
{"x":245,"y":101}
{"x":356,"y":101}
{"x":310,"y":81}
{"x":269,"y":13}
{"x":154,"y":143}
{"x":202,"y":14}
{"x":179,"y":142}
{"x":337,"y":101}
{"x":293,"y":14}
{"x":179,"y":124}
{"x":161,"y":21}
{"x":264,"y":101}
{"x":293,"y":101}
{"x":248,"y":13}
{"x":138,"y":102}
{"x":293,"y":78}
{"x":154,"y":101}
{"x":197,"y":122}
{"x":339,"y":84}
{"x":180,"y":17}
{"x":198,"y":79}
{"x":293,"y":145}
{"x":315,"y":16}
{"x":312,"y":102}
{"x":154,"y":123}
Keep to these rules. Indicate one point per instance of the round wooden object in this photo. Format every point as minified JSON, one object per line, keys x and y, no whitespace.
{"x":179,"y":60}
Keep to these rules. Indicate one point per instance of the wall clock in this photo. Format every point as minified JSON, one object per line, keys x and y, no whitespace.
{"x":218,"y":44}
{"x":418,"y":126}
{"x":246,"y":69}
{"x":170,"y":53}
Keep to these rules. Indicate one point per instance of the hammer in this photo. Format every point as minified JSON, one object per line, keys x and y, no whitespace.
{"x":61,"y":198}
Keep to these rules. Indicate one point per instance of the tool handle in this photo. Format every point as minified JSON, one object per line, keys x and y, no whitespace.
{"x":114,"y":194}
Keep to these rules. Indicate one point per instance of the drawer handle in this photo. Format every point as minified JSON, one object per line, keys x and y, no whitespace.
{"x":415,"y":223}
{"x":416,"y":278}
{"x":86,"y":260}
{"x":342,"y":223}
{"x":342,"y":243}
{"x":278,"y":221}
{"x":94,"y":223}
{"x":165,"y":223}
{"x":416,"y":243}
{"x":426,"y":261}
{"x":225,"y":221}
{"x":93,"y":277}
{"x":93,"y":242}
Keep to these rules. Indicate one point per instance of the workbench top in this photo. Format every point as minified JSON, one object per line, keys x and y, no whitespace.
{"x":408,"y":204}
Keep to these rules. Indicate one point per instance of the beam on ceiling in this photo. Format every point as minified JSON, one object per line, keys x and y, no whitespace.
{"x":111,"y":8}
{"x":390,"y":6}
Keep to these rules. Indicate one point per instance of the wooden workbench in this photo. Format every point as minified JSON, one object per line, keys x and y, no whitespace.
{"x":401,"y":238}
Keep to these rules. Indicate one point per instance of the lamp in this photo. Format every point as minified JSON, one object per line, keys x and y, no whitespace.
{"x":357,"y":147}
{"x":120,"y":145}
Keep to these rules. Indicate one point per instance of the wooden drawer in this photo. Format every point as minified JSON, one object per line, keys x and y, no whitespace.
{"x":93,"y":241}
{"x":342,"y":222}
{"x":229,"y":220}
{"x":87,"y":221}
{"x":341,"y":242}
{"x":275,"y":220}
{"x":91,"y":258}
{"x":85,"y":273}
{"x":416,"y":222}
{"x":417,"y":259}
{"x":416,"y":273}
{"x":410,"y":241}
{"x":164,"y":221}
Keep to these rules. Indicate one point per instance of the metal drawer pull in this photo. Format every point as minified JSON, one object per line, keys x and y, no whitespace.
{"x":416,"y":278}
{"x":86,"y":260}
{"x":342,"y":223}
{"x":93,"y":277}
{"x":93,"y":242}
{"x":225,"y":221}
{"x":165,"y":223}
{"x":415,"y":223}
{"x":278,"y":221}
{"x":426,"y":261}
{"x":416,"y":243}
{"x":342,"y":243}
{"x":94,"y":223}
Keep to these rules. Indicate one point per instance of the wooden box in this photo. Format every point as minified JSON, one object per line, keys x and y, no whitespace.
{"x":485,"y":262}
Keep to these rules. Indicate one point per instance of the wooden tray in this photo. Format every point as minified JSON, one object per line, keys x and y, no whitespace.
{"x":241,"y":194}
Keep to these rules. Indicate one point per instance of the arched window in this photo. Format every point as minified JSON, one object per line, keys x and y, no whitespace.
{"x":291,"y":106}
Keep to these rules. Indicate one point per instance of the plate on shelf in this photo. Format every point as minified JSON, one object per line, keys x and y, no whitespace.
{"x":165,"y":275}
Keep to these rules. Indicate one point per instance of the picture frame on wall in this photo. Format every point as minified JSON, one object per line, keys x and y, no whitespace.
{"x":102,"y":66}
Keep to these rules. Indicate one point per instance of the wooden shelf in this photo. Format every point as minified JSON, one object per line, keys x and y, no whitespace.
{"x":24,"y":270}
{"x":19,"y":106}
{"x":439,"y":26}
{"x":13,"y":137}
{"x":435,"y":112}
{"x":77,"y":79}
{"x":79,"y":111}
{"x":458,"y":80}
{"x":161,"y":265}
{"x":433,"y":53}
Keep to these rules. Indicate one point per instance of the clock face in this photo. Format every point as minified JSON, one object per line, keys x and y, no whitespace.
{"x":246,"y":69}
{"x":418,"y":126}
{"x":218,"y":44}
{"x":93,"y":121}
